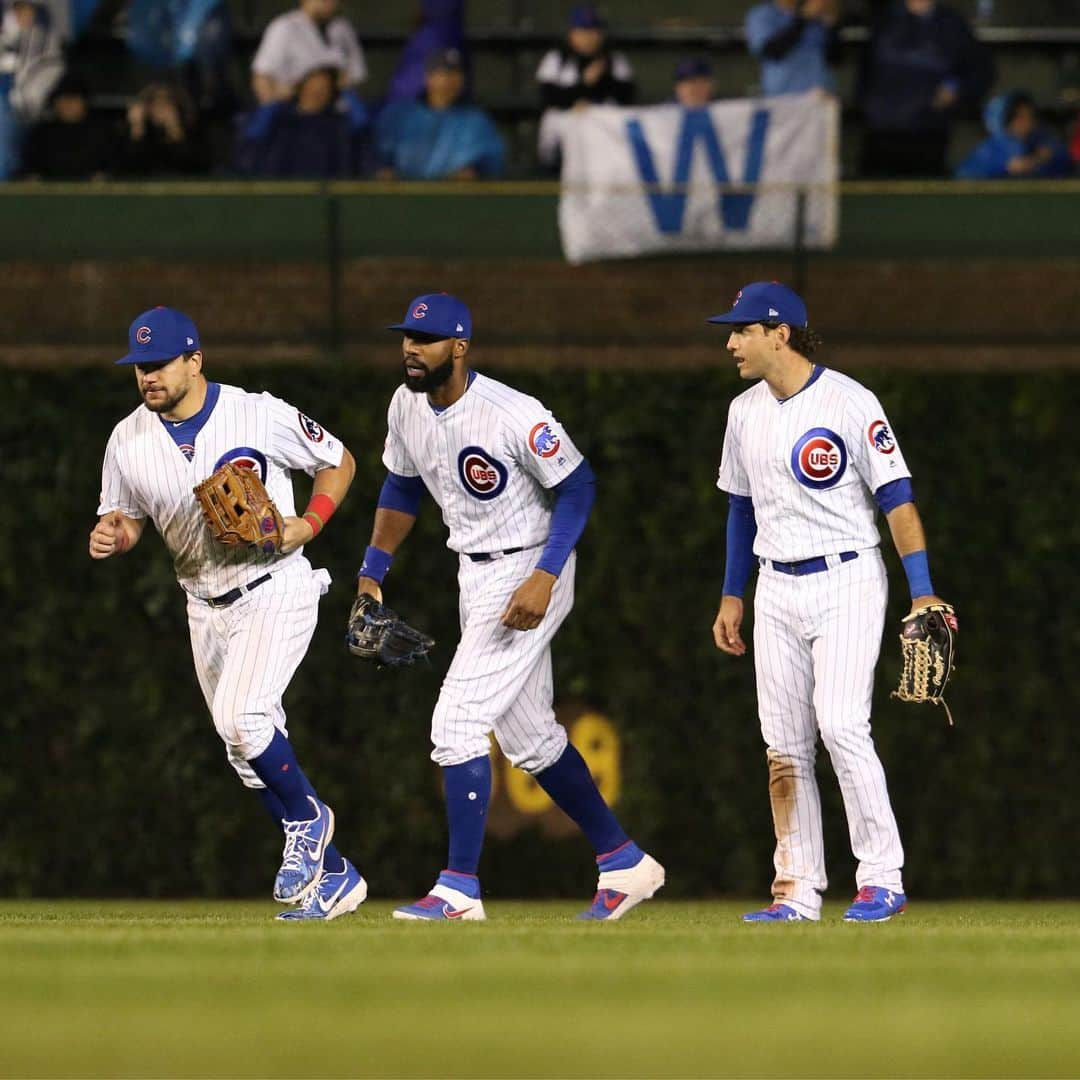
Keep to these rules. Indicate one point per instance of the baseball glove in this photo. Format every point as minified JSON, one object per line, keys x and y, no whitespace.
{"x":928,"y":646}
{"x":239,"y":510}
{"x":377,"y":634}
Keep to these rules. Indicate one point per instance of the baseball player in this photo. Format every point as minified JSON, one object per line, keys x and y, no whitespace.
{"x":515,"y":494}
{"x":808,"y":458}
{"x":251,"y":615}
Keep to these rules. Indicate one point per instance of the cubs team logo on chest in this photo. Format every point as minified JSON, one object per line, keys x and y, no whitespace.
{"x":245,"y":457}
{"x":481,"y":475}
{"x":819,"y":459}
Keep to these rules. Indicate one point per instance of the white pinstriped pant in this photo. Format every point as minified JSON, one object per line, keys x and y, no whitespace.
{"x":816,"y":643}
{"x":247,"y":653}
{"x":500,"y":679}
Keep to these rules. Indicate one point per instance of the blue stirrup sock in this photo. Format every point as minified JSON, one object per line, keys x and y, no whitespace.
{"x":279,"y":770}
{"x":468,"y":791}
{"x":573,"y":790}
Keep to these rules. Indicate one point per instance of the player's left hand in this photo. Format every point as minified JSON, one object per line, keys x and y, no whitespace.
{"x":298,"y":531}
{"x":921,"y":602}
{"x":530,"y":601}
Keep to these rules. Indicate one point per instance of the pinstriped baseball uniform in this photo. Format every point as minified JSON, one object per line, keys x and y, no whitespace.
{"x":245,"y":653}
{"x":488,"y":460}
{"x":811,"y":463}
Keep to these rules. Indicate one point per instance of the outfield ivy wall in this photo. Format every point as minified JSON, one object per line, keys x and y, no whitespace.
{"x":114,"y":783}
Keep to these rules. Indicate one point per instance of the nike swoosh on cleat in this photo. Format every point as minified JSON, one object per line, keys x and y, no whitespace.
{"x":326,"y":907}
{"x":619,"y":898}
{"x":450,"y":913}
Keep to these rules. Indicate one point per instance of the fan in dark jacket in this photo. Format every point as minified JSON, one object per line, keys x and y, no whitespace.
{"x":317,"y":135}
{"x":71,"y":143}
{"x":583,"y":71}
{"x":162,"y":137}
{"x":921,"y":68}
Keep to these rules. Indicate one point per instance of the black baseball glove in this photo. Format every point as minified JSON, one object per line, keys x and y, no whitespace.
{"x":379,"y":635}
{"x":928,"y":645}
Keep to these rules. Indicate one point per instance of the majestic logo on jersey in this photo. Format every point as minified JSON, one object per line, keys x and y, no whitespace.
{"x":881,"y":438}
{"x":819,"y":459}
{"x":142,"y":335}
{"x":313,"y":430}
{"x":543,"y":442}
{"x":244,"y":457}
{"x":481,"y":475}
{"x":419,"y":311}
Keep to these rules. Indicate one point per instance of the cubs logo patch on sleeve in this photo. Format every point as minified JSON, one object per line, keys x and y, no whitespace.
{"x":543,"y":442}
{"x":311,"y":428}
{"x":881,"y":438}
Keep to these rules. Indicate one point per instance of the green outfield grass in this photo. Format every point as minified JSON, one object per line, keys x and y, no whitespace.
{"x":219,"y":989}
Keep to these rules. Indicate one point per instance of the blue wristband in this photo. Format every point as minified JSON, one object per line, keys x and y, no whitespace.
{"x":917,"y":569}
{"x":376,"y":564}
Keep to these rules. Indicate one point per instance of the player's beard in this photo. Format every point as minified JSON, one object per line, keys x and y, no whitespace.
{"x":432,"y":378}
{"x":166,"y":404}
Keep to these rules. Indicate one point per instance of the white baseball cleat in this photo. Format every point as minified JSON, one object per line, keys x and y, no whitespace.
{"x":624,"y":887}
{"x":454,"y":896}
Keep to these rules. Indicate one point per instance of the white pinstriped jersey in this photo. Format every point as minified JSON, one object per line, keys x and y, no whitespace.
{"x":811,"y":463}
{"x":487,"y":461}
{"x":146,"y":474}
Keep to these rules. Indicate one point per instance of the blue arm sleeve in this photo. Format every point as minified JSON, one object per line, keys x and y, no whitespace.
{"x":401,"y":493}
{"x":574,"y":499}
{"x":741,"y":530}
{"x":893,"y":494}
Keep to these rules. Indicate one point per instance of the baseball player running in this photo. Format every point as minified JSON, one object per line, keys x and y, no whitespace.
{"x":251,"y":615}
{"x":515,"y":494}
{"x":808,"y":455}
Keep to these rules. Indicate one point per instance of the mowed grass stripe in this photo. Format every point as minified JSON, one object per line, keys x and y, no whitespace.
{"x":219,"y":989}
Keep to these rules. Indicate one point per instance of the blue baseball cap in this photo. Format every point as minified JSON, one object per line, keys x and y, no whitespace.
{"x":438,"y":314}
{"x":693,"y":67}
{"x":586,"y":17}
{"x":765,"y":302}
{"x":162,"y":333}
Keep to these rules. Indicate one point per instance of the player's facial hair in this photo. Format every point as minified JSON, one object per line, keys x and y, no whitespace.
{"x":432,"y":379}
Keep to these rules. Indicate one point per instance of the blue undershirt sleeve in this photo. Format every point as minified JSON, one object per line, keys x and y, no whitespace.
{"x":741,"y":530}
{"x":401,"y":493}
{"x":574,"y":499}
{"x":893,"y":494}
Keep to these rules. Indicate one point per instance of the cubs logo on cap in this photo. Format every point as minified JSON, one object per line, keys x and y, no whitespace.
{"x":819,"y":459}
{"x":481,"y":475}
{"x":158,"y":335}
{"x":438,"y":315}
{"x":765,"y":302}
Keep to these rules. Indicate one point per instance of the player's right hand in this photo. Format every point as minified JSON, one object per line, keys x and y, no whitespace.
{"x":726,"y":628}
{"x":108,"y":536}
{"x":369,"y":586}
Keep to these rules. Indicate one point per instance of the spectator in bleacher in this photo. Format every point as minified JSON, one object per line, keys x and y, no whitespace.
{"x":695,"y":86}
{"x":317,"y":135}
{"x":583,"y":71}
{"x":1017,"y":144}
{"x":70,"y":143}
{"x":161,"y":137}
{"x":440,"y":137}
{"x":314,"y":35}
{"x":796,"y":42}
{"x":31,"y":64}
{"x":921,"y":68}
{"x":441,"y":26}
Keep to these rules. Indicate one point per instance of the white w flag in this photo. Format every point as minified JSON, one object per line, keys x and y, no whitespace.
{"x":669,"y":179}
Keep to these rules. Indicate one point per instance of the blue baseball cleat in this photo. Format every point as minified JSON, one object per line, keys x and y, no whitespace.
{"x":776,"y":913}
{"x":334,"y":895}
{"x":454,"y":896}
{"x":302,"y":860}
{"x":627,"y":876}
{"x":875,"y":904}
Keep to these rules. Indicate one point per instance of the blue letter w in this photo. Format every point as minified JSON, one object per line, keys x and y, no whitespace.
{"x":668,"y":208}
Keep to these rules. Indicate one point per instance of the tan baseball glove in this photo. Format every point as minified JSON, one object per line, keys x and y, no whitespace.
{"x":928,"y":646}
{"x":239,"y":510}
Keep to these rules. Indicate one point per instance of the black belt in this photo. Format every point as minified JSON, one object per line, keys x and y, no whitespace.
{"x":484,"y":557}
{"x":808,"y":566}
{"x":225,"y":599}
